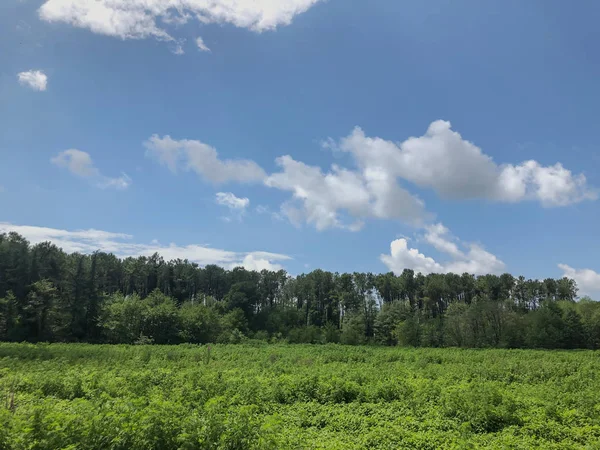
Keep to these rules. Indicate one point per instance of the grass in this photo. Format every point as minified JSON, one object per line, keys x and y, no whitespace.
{"x":77,"y":396}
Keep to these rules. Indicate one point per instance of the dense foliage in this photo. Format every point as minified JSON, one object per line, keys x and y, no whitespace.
{"x":48,"y":295}
{"x":79,"y":396}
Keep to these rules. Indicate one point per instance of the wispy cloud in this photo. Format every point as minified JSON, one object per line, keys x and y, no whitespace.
{"x":201,"y":45}
{"x":237,"y":206}
{"x":178,"y":50}
{"x":203,"y":159}
{"x":232,"y":202}
{"x":80,"y":164}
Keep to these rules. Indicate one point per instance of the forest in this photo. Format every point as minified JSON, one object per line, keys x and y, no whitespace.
{"x":47,"y":295}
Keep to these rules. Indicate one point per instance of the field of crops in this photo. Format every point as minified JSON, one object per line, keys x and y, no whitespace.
{"x":283,"y":396}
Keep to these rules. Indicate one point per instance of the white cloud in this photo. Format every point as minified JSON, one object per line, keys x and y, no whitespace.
{"x":120,"y":183}
{"x":88,"y":241}
{"x":475,"y":260}
{"x":550,"y":185}
{"x":232,"y":202}
{"x":264,"y":209}
{"x":345,"y":198}
{"x":329,"y":144}
{"x":77,"y":162}
{"x":202,"y":159}
{"x":437,"y":235}
{"x":456,"y":168}
{"x":237,"y":206}
{"x":588,"y":281}
{"x":321,"y":198}
{"x":441,"y":159}
{"x":35,"y":79}
{"x":401,"y":257}
{"x":138,"y":19}
{"x":258,"y":262}
{"x":201,"y":45}
{"x":80,"y":164}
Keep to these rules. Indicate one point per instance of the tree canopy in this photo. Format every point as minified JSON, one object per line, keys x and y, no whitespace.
{"x":49,"y":295}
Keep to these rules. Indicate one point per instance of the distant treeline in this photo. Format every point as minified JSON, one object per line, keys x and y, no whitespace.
{"x":49,"y":295}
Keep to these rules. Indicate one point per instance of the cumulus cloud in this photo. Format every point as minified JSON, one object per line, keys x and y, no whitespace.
{"x":401,"y":257}
{"x":588,"y":281}
{"x":201,"y":45}
{"x":139,"y":19}
{"x":474,"y":259}
{"x":202,"y":159}
{"x":34,"y":79}
{"x":80,"y":164}
{"x":550,"y":185}
{"x":456,"y":168}
{"x":440,"y":159}
{"x":259,"y":262}
{"x":121,"y":244}
{"x":320,"y":198}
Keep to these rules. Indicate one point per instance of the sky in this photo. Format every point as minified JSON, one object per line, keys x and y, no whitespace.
{"x":442,"y":136}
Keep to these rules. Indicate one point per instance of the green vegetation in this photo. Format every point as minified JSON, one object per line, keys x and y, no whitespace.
{"x":80,"y":396}
{"x":47,"y":295}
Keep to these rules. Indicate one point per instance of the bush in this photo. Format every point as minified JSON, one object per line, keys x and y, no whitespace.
{"x":305,"y":335}
{"x":261,"y":336}
{"x":408,"y":333}
{"x":353,"y":330}
{"x":484,"y":408}
{"x":331,"y":333}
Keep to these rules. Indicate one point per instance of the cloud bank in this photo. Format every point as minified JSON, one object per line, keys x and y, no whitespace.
{"x":375,"y":186}
{"x":89,"y":241}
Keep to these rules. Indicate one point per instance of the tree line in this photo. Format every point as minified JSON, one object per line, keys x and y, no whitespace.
{"x":47,"y":294}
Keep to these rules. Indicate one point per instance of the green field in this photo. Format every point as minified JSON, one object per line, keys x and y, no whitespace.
{"x":75,"y":396}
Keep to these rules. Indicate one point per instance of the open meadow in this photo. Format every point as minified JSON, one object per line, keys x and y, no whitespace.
{"x":72,"y":396}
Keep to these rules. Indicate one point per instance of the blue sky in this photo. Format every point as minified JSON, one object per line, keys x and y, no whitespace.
{"x":247,"y":151}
